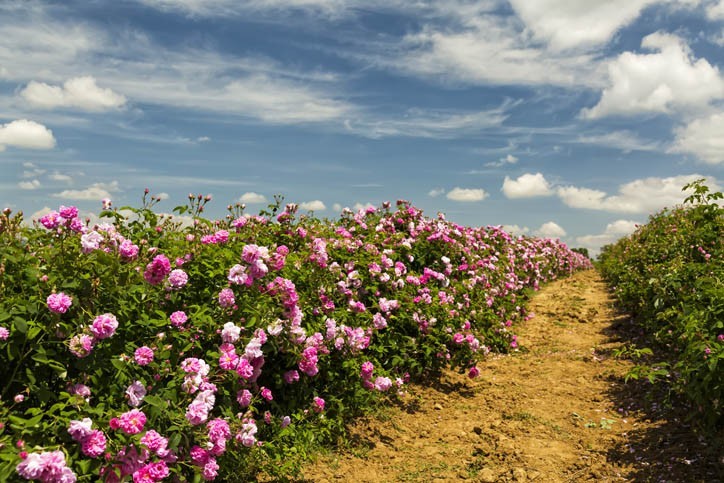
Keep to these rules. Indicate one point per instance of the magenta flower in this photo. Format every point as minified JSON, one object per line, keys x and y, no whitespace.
{"x":128,"y":250}
{"x":132,"y":422}
{"x":143,"y":356}
{"x":155,"y":442}
{"x":318,"y":404}
{"x":382,"y":384}
{"x":473,"y":372}
{"x":244,"y":398}
{"x":68,"y":212}
{"x":4,"y":333}
{"x":157,"y":270}
{"x":51,"y":221}
{"x":59,"y":302}
{"x":266,"y":393}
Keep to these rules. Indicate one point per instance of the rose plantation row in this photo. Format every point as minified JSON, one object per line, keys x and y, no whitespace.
{"x":142,"y":349}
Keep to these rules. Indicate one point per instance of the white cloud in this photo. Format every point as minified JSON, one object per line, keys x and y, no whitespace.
{"x":702,"y":137}
{"x":550,"y":230}
{"x":162,"y":196}
{"x":32,"y":172}
{"x":505,"y":160}
{"x":516,"y":229}
{"x":428,"y":123}
{"x":216,"y":8}
{"x":78,"y":92}
{"x":337,"y":207}
{"x":613,"y":232}
{"x":639,"y":196}
{"x":95,"y":192}
{"x":526,"y":186}
{"x":29,"y":185}
{"x":203,"y":139}
{"x":251,"y":197}
{"x":670,"y":78}
{"x":56,"y":176}
{"x":315,"y":205}
{"x":566,"y":24}
{"x":715,"y":10}
{"x":466,"y":194}
{"x":435,"y":192}
{"x":40,"y":213}
{"x":23,"y":133}
{"x":626,"y":141}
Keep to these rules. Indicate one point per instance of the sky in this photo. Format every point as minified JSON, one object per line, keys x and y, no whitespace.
{"x":572,"y":120}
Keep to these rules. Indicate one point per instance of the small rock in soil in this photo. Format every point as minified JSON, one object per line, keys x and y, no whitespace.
{"x":519,"y":474}
{"x":487,"y":476}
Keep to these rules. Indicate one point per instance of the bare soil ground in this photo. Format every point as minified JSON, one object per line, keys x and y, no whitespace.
{"x":558,"y":410}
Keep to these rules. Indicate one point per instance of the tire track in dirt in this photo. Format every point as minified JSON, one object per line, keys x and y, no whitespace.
{"x":555,"y":411}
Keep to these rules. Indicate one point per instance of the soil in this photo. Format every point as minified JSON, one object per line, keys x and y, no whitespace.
{"x":557,"y":410}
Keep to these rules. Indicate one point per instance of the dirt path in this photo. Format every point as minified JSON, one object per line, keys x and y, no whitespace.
{"x":556,"y":411}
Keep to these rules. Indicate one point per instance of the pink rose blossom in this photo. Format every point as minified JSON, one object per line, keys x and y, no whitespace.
{"x":4,"y":333}
{"x":79,"y":430}
{"x":177,"y":279}
{"x":68,"y":212}
{"x":178,"y":318}
{"x":157,"y":270}
{"x":318,"y":404}
{"x":143,"y":356}
{"x":132,"y":422}
{"x":104,"y":326}
{"x":51,"y":221}
{"x":94,"y":444}
{"x":266,"y":394}
{"x":135,"y":393}
{"x":59,"y":302}
{"x":81,"y":345}
{"x":226,"y":298}
{"x":244,"y":398}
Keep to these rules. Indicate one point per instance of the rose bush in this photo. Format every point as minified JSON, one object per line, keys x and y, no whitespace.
{"x":670,"y":275}
{"x":140,"y":349}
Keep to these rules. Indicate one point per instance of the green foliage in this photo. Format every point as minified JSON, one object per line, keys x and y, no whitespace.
{"x":670,"y":275}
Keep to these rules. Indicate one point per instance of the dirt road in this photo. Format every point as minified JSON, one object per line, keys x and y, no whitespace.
{"x":556,"y":411}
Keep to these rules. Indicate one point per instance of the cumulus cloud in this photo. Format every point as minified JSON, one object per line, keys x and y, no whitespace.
{"x":251,"y":197}
{"x":667,"y":79}
{"x":315,"y":205}
{"x":703,"y":138}
{"x":26,"y":134}
{"x":56,"y":176}
{"x":550,"y":230}
{"x":79,"y":92}
{"x":337,"y":207}
{"x":715,"y":10}
{"x":162,"y":196}
{"x":29,"y":185}
{"x":516,"y":229}
{"x":466,"y":194}
{"x":564,"y":24}
{"x":95,"y":192}
{"x":613,"y":232}
{"x":435,"y":192}
{"x":639,"y":196}
{"x":505,"y":160}
{"x":526,"y":186}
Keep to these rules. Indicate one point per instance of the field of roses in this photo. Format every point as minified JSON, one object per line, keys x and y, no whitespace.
{"x":142,"y":349}
{"x":670,"y":275}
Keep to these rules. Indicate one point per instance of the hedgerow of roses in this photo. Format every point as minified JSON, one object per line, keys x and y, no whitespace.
{"x":140,"y":349}
{"x":670,"y":275}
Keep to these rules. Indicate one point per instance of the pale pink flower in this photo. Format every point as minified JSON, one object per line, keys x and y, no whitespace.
{"x":4,"y":333}
{"x":79,"y":430}
{"x":177,"y":279}
{"x":94,"y":444}
{"x":226,"y":298}
{"x":81,"y":345}
{"x":135,"y":393}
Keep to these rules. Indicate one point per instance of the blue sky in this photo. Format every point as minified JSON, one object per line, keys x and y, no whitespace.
{"x":556,"y":118}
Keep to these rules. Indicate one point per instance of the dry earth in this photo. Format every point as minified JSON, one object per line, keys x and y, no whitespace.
{"x":556,"y":411}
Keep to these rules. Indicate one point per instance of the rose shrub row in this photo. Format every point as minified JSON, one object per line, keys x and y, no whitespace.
{"x":142,"y":349}
{"x":670,"y":275}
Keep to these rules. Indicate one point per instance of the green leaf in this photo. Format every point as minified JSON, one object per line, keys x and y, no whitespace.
{"x":155,"y":401}
{"x":20,"y":324}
